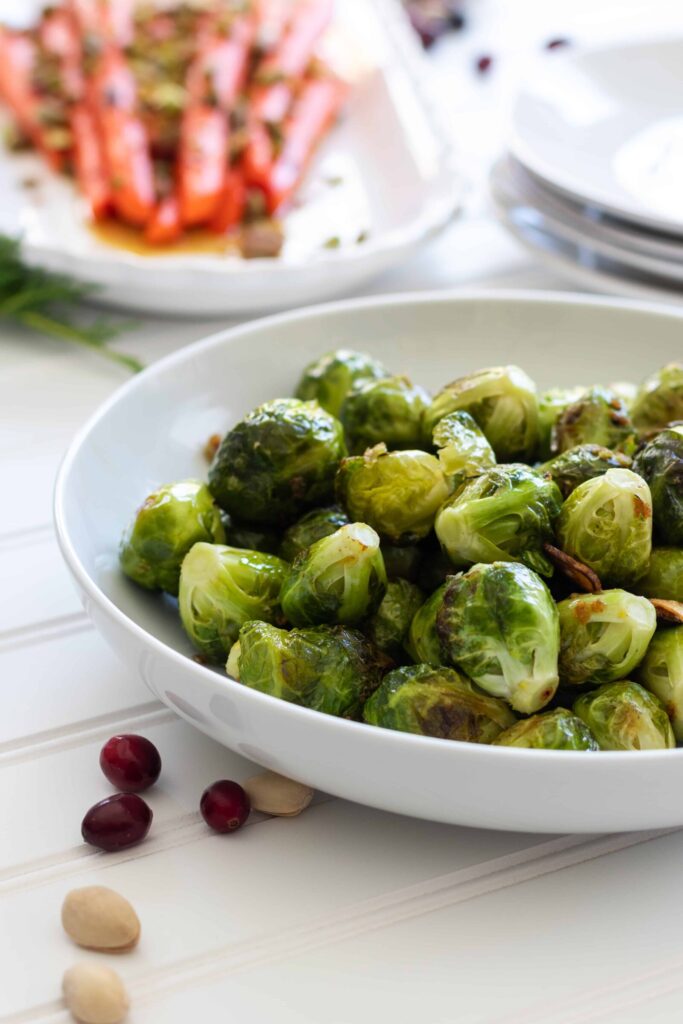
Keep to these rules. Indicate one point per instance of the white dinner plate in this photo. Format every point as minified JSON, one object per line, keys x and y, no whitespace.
{"x":605,"y":126}
{"x":379,"y":194}
{"x":532,"y":207}
{"x":176,"y":404}
{"x":593,"y":224}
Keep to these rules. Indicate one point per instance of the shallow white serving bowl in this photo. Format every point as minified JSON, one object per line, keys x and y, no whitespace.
{"x":387,"y":171}
{"x":605,"y":127}
{"x":153,"y":430}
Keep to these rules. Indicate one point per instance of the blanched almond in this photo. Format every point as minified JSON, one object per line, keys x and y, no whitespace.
{"x":274,"y":794}
{"x":95,"y":994}
{"x":99,"y":918}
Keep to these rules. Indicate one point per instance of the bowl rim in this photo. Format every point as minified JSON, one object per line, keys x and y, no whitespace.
{"x":236,"y":333}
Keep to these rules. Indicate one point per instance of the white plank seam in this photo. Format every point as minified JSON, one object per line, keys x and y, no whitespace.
{"x":25,"y":535}
{"x":379,"y":912}
{"x":167,"y":835}
{"x":44,"y":629}
{"x":87,"y":730}
{"x":595,"y":1004}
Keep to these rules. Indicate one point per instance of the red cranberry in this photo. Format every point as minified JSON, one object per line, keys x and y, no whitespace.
{"x":116,"y":823}
{"x":225,"y":806}
{"x":131,"y":763}
{"x":484,"y":64}
{"x":557,"y":44}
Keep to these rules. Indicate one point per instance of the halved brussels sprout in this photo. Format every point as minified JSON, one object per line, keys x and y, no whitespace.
{"x":422,"y":643}
{"x":624,"y":716}
{"x":659,"y":400}
{"x":551,"y":730}
{"x":584,"y":462}
{"x":598,"y":417}
{"x":316,"y":524}
{"x":281,"y":459}
{"x":660,"y":462}
{"x":502,"y":400}
{"x":462,"y":448}
{"x":551,"y":405}
{"x":339,"y":580}
{"x":505,"y":514}
{"x":165,"y":527}
{"x":329,"y":379}
{"x":664,"y":577}
{"x":499,"y":624}
{"x":397,"y":493}
{"x":607,"y":524}
{"x":603,"y":636}
{"x":436,"y":702}
{"x":387,"y":411}
{"x":327,"y":668}
{"x":388,"y":627}
{"x":221,"y":588}
{"x":661,"y":672}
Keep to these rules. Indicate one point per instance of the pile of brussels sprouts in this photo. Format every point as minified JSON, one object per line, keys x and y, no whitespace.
{"x":369,"y":551}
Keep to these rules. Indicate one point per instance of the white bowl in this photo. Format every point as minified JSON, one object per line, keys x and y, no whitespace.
{"x":152,"y":431}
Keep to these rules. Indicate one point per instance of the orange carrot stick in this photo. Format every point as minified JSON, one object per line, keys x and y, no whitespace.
{"x":231,"y":204}
{"x":165,"y":225}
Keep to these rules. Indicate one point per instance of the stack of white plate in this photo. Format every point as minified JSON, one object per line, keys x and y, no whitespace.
{"x":593,"y":180}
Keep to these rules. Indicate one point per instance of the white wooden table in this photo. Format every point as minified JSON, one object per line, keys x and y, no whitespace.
{"x":345,"y":914}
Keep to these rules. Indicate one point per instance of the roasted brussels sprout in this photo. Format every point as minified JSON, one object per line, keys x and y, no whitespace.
{"x":462,"y":448}
{"x":661,"y":672}
{"x":329,"y":379}
{"x":506,"y":513}
{"x":607,"y":524}
{"x":397,"y":493}
{"x":340,"y":580}
{"x":660,"y":462}
{"x":422,"y":643}
{"x":327,"y":668}
{"x":603,"y":636}
{"x":385,"y":411}
{"x":551,"y":730}
{"x":584,"y":462}
{"x":659,"y":400}
{"x":664,"y":577}
{"x":164,"y":529}
{"x":221,"y":588}
{"x":238,"y":536}
{"x":598,"y":417}
{"x":316,"y":524}
{"x":626,"y":391}
{"x":388,"y":627}
{"x":402,"y":562}
{"x":624,"y":716}
{"x":499,"y":624}
{"x":436,"y":702}
{"x":502,"y":401}
{"x":276,"y":463}
{"x":551,"y":405}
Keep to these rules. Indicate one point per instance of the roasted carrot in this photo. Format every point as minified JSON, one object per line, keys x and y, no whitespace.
{"x":314,"y":112}
{"x":201,"y":164}
{"x":231,"y":204}
{"x":89,"y":163}
{"x":17,"y":61}
{"x":165,"y":225}
{"x":278,"y":73}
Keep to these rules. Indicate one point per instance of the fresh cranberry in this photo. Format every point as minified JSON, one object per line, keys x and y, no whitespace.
{"x":484,"y":64}
{"x":556,"y":44}
{"x":131,"y":763}
{"x":225,"y":806}
{"x":116,"y":823}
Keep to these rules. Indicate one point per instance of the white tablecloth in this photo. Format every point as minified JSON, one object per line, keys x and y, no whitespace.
{"x":345,"y":914}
